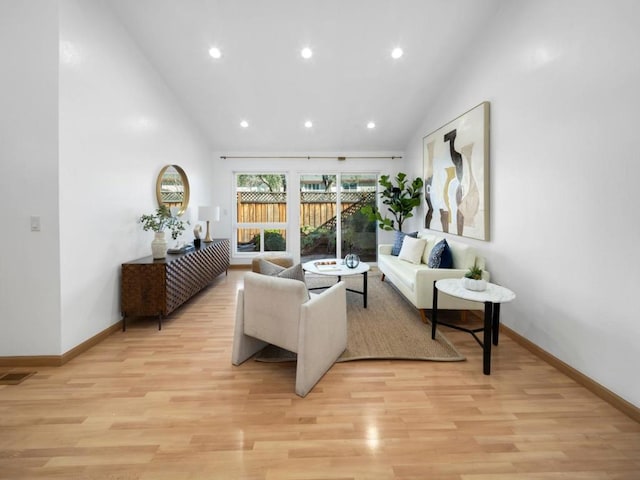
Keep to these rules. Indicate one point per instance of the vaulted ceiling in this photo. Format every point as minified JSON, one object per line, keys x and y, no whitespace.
{"x":261,"y":77}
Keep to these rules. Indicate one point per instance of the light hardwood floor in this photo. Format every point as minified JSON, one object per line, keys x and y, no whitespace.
{"x":149,"y":404}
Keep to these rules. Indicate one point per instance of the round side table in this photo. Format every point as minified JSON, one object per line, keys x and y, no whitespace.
{"x":492,"y":297}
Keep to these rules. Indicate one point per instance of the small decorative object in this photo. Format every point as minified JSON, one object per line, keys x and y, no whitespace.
{"x":158,"y":222}
{"x":197,"y":230}
{"x":473,"y":280}
{"x":352,"y":260}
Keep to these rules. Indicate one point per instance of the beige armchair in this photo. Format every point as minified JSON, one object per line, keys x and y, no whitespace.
{"x":278,"y":311}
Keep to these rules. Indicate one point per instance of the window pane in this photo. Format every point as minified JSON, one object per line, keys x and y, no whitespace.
{"x":248,"y":239}
{"x":275,"y":240}
{"x":317,"y":217}
{"x":358,"y":233}
{"x":261,"y":198}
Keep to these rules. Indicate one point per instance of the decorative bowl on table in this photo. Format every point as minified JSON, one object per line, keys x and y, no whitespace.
{"x":351,"y":260}
{"x":475,"y":285}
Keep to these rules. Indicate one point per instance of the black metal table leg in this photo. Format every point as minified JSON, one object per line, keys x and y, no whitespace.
{"x":364,"y":290}
{"x":434,"y":312}
{"x":486,"y":353}
{"x":496,"y":322}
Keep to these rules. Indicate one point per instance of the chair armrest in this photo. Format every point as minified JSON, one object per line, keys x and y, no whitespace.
{"x":322,"y":335}
{"x":244,"y":346}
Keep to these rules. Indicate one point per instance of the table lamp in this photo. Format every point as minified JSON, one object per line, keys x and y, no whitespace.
{"x":207,"y":214}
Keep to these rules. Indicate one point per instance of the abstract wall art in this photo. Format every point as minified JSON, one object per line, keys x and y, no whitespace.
{"x":456,"y":175}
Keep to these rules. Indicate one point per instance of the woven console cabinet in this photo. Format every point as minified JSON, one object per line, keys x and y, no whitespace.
{"x":157,"y":287}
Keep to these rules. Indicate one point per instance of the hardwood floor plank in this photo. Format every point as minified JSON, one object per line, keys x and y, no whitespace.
{"x":147,"y":404}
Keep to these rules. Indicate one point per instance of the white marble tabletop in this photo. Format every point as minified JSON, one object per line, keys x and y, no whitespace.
{"x":494,"y":293}
{"x":334,"y":267}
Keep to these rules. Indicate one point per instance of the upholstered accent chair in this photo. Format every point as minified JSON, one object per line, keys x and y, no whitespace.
{"x":282,"y":259}
{"x":280,"y":311}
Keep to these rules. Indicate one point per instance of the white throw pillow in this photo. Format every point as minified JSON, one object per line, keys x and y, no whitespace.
{"x":431,"y":242}
{"x":412,"y":249}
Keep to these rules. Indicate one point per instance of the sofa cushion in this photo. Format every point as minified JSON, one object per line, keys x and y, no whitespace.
{"x":401,"y":271}
{"x":440,"y":256}
{"x":431,"y":242}
{"x":412,"y":249}
{"x":397,"y":244}
{"x":463,"y":255}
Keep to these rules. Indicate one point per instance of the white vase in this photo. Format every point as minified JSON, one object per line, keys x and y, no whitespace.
{"x":159,"y":246}
{"x":475,"y":285}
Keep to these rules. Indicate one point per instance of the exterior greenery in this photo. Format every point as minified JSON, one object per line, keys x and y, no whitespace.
{"x":273,"y":241}
{"x":400,"y":199}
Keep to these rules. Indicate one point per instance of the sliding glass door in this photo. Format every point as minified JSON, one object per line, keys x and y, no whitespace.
{"x":331,"y":224}
{"x":358,"y":233}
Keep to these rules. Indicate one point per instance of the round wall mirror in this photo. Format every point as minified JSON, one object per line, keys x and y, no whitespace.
{"x":172,"y":188}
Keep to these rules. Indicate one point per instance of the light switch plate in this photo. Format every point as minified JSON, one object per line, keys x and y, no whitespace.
{"x":35,"y":223}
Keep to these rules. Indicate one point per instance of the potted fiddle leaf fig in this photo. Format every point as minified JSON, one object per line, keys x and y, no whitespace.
{"x":400,"y":198}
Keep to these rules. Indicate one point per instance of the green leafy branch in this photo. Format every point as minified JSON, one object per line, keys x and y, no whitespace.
{"x":400,"y":199}
{"x":161,"y":220}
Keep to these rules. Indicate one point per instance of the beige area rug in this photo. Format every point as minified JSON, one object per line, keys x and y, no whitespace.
{"x":390,"y":328}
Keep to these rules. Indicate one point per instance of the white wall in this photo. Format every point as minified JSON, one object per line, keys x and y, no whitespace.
{"x":29,"y":262}
{"x":119,"y":125}
{"x":223,"y":181}
{"x":562,"y":79}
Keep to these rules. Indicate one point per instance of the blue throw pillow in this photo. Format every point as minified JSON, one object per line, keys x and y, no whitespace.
{"x":397,"y":244}
{"x":440,"y":256}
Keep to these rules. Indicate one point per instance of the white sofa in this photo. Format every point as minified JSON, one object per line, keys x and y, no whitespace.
{"x":415,"y":281}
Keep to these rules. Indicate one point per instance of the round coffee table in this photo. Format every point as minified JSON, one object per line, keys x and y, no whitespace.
{"x":492,"y":297}
{"x":335,"y":267}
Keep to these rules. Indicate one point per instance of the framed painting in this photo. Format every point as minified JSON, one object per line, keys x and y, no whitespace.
{"x":456,"y":175}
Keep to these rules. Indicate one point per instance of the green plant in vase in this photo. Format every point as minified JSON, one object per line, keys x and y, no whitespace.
{"x":475,"y":273}
{"x":158,"y":222}
{"x":473,"y":280}
{"x":162,"y":220}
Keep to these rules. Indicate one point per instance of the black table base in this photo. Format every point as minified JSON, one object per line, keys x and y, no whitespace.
{"x":491,"y":328}
{"x":363,"y":292}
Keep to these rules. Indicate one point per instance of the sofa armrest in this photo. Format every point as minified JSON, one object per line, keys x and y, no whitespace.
{"x":384,"y":249}
{"x":426,"y":277}
{"x":429,"y":275}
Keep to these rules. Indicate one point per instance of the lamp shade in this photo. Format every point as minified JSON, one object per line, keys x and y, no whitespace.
{"x":216,"y":214}
{"x":205,"y":213}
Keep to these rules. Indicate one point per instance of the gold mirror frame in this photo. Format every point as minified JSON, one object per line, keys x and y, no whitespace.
{"x":172,"y":188}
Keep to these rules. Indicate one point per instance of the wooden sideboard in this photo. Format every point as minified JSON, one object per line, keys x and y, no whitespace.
{"x":157,"y":287}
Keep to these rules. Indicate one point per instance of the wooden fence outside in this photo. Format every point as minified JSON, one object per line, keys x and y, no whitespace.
{"x":316,"y":208}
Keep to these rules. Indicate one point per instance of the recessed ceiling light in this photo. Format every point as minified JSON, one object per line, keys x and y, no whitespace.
{"x":371,"y":125}
{"x":306,"y":52}
{"x":397,"y":52}
{"x":244,"y":124}
{"x":308,"y":124}
{"x":215,"y":52}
